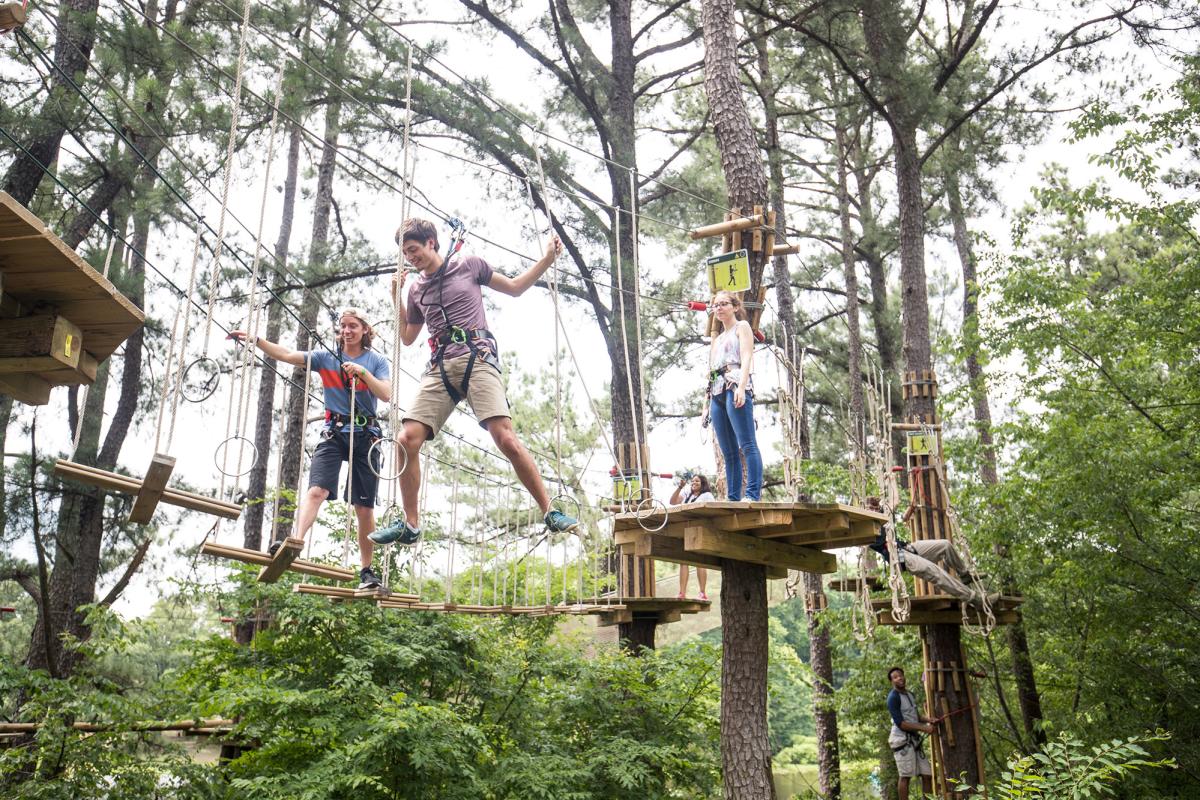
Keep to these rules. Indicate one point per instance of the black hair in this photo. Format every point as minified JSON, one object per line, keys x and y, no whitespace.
{"x":895,"y":669}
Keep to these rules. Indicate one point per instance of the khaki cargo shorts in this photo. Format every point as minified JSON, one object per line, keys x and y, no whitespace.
{"x":485,"y":393}
{"x":910,"y":761}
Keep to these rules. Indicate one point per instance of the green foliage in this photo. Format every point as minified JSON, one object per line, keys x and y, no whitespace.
{"x":1068,"y":769}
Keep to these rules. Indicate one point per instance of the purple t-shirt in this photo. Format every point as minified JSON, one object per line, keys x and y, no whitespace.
{"x":457,"y":293}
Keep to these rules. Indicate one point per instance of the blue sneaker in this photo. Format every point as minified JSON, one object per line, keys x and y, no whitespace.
{"x":559,"y":522}
{"x":399,"y":532}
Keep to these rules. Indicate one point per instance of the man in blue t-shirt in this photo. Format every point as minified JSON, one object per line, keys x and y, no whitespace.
{"x":905,"y":736}
{"x":354,"y":364}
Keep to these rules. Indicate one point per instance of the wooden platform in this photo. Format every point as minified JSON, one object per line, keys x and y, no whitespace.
{"x":780,"y":536}
{"x":855,"y":584}
{"x":503,"y":611}
{"x":346,"y":593}
{"x":59,"y":318}
{"x":937,"y":609}
{"x":262,"y":559}
{"x":664,"y":610}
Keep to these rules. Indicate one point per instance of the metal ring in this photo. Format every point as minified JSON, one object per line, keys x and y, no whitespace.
{"x":223,"y":445}
{"x":646,"y":508}
{"x":204,"y":389}
{"x":371,"y":461}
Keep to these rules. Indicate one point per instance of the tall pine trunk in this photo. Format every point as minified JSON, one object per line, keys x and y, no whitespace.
{"x":745,"y":747}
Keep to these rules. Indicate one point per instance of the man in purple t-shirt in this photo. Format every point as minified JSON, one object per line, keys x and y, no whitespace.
{"x":447,"y":297}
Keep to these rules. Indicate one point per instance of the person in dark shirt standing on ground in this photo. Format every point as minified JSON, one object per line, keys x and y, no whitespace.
{"x":905,"y":737}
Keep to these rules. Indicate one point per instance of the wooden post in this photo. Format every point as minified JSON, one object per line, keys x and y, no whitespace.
{"x":957,"y":763}
{"x":152,"y":488}
{"x":288,"y":552}
{"x":635,"y":573}
{"x":12,"y":16}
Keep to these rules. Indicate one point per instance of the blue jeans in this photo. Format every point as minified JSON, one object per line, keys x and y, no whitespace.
{"x":734,"y":428}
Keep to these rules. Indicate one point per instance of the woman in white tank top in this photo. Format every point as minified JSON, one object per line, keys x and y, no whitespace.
{"x":731,"y":394}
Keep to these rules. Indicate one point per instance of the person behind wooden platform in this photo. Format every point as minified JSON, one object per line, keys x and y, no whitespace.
{"x":905,"y":737}
{"x":692,"y":489}
{"x":731,"y":397}
{"x":447,"y":295}
{"x":371,"y":378}
{"x":929,"y":560}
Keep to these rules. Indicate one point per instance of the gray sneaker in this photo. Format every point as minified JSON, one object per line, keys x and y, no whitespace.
{"x":559,"y":522}
{"x":399,"y":532}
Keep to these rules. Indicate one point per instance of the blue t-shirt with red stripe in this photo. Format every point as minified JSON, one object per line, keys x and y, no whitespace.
{"x":337,"y":383}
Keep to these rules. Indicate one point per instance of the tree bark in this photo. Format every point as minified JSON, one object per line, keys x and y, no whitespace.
{"x":745,"y":753}
{"x":745,"y":746}
{"x":76,"y":24}
{"x":293,"y":440}
{"x":265,"y":415}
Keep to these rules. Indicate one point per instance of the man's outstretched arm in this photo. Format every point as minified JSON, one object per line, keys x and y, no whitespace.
{"x":515,"y":287}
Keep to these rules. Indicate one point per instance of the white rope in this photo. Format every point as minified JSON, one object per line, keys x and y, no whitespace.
{"x":351,"y":527}
{"x":235,"y":114}
{"x":177,"y":390}
{"x":637,"y":443}
{"x":557,"y":316}
{"x":452,"y":535}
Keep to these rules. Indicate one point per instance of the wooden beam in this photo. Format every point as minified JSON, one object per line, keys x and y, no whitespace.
{"x":126,"y":484}
{"x":12,"y":16}
{"x":824,"y":523}
{"x":261,"y":559}
{"x":39,"y":342}
{"x":785,"y":249}
{"x":29,"y":389}
{"x":861,"y":532}
{"x":738,"y":547}
{"x":668,"y":548}
{"x":728,"y":226}
{"x":288,"y":552}
{"x":152,"y":488}
{"x":748,"y":520}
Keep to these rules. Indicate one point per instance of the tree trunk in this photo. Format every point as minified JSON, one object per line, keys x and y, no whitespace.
{"x":885,"y":34}
{"x":745,"y":753}
{"x":745,"y":747}
{"x":76,"y":24}
{"x":1028,"y":696}
{"x":293,"y":440}
{"x":265,"y":418}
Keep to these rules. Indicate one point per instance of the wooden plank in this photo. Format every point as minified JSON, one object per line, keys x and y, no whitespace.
{"x":669,"y":548}
{"x":748,"y":549}
{"x":288,"y":552}
{"x":126,"y":484}
{"x":952,"y":617}
{"x":861,"y":532}
{"x":152,"y":488}
{"x":804,"y":524}
{"x":854,"y":584}
{"x":262,"y":559}
{"x":748,"y":520}
{"x":47,"y":339}
{"x":28,"y":389}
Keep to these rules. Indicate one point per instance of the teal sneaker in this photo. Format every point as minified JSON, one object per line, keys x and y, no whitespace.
{"x":559,"y":522}
{"x":399,"y":532}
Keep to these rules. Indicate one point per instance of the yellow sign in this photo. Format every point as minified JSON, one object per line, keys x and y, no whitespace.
{"x":67,"y":346}
{"x":729,"y":272}
{"x":920,"y":444}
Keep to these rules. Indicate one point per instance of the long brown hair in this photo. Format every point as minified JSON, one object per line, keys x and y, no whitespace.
{"x":368,"y":332}
{"x":739,"y":311}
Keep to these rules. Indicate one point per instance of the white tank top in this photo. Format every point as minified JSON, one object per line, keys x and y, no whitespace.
{"x":728,"y":353}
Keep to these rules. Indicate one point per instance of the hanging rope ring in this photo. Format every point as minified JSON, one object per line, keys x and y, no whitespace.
{"x":645,"y":512}
{"x":222,"y":448}
{"x":376,"y":458}
{"x":200,"y":379}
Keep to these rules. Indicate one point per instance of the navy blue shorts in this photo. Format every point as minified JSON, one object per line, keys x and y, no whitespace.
{"x":327,"y":461}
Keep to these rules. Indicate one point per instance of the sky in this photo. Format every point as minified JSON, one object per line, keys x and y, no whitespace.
{"x":524,"y":325}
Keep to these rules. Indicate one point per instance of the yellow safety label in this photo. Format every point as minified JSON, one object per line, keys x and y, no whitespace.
{"x":920,"y":444}
{"x":67,"y":346}
{"x":729,"y":272}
